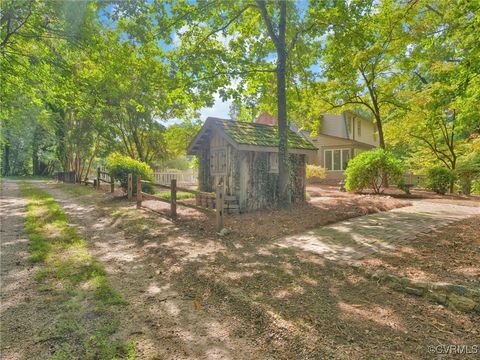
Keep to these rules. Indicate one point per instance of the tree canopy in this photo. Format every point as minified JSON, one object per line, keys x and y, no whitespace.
{"x":84,"y":79}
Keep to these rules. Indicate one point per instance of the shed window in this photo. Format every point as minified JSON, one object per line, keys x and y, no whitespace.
{"x":337,"y":159}
{"x":218,"y":161}
{"x":273,"y":162}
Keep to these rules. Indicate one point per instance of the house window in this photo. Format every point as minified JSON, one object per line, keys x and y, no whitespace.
{"x":359,"y":127}
{"x":337,"y":159}
{"x":345,"y":158}
{"x":328,"y":160}
{"x":273,"y":162}
{"x":218,"y":161}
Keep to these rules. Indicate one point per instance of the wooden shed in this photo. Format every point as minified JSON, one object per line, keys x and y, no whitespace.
{"x":243,"y":157}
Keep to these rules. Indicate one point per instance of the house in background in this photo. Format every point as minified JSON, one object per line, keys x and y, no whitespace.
{"x":340,"y":138}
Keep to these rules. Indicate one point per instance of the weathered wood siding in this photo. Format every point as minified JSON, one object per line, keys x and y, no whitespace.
{"x":259,"y":188}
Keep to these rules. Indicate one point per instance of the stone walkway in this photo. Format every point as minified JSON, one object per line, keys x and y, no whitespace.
{"x":359,"y":237}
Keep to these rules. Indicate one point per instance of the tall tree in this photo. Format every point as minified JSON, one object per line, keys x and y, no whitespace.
{"x":360,"y":57}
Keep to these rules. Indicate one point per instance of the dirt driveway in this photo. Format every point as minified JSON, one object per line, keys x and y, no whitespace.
{"x":193,"y":295}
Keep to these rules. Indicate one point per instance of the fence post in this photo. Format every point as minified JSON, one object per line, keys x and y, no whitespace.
{"x":139,"y":192}
{"x":98,"y":177}
{"x":219,"y":207}
{"x":112,"y":183}
{"x":173,"y":198}
{"x":130,"y":187}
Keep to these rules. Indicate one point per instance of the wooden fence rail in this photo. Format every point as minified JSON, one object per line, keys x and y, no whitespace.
{"x":173,"y":201}
{"x":66,"y":176}
{"x":105,"y":177}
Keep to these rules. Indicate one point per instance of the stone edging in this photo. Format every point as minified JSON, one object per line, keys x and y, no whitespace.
{"x":458,"y":297}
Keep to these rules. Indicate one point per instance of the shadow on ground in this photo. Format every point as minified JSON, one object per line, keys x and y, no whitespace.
{"x":194,"y":295}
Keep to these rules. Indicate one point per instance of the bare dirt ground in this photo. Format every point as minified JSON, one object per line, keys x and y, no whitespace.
{"x":196,"y":295}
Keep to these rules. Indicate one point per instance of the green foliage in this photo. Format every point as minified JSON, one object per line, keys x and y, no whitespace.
{"x":315,"y":173}
{"x":120,"y":166}
{"x":439,"y":179}
{"x":179,"y":163}
{"x":180,"y":195}
{"x":402,"y":185}
{"x":475,"y":187}
{"x":371,"y":168}
{"x":467,"y":172}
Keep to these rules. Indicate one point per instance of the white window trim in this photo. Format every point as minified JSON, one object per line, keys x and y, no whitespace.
{"x":341,"y":158}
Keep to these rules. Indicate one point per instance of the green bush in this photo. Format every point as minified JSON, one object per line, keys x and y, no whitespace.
{"x":120,"y":166}
{"x":467,"y":173}
{"x":402,"y":185}
{"x":438,"y":179}
{"x":370,"y":168}
{"x":476,"y":187}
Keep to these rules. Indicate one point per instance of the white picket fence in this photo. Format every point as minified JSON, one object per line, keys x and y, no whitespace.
{"x":184,"y":177}
{"x":164,"y":177}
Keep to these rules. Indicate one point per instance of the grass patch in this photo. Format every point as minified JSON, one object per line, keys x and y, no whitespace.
{"x":80,"y":300}
{"x":180,"y":195}
{"x":77,"y":189}
{"x":26,"y":177}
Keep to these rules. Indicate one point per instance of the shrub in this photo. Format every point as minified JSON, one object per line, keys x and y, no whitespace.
{"x":315,"y":173}
{"x":476,"y":187}
{"x":371,"y":169}
{"x":438,"y":179}
{"x":467,"y":172}
{"x":402,"y":185}
{"x":120,"y":166}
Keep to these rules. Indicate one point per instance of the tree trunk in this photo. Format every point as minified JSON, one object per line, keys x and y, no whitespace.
{"x":378,"y":121}
{"x":6,"y":160}
{"x":282,"y":110}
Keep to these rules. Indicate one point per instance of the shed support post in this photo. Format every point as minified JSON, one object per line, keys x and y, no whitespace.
{"x":130,"y":187}
{"x":139,"y":192}
{"x":219,"y":199}
{"x":173,"y":198}
{"x":112,"y":183}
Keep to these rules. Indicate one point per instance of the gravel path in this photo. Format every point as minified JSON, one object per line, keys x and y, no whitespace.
{"x":359,"y":237}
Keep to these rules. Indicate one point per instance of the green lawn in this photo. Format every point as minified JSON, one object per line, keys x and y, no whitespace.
{"x":75,"y":282}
